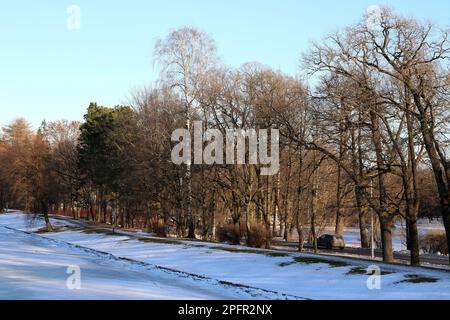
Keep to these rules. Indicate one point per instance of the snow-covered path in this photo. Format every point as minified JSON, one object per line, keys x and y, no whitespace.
{"x":34,"y":268}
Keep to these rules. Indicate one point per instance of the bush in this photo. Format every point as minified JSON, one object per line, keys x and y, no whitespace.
{"x":157,"y":227}
{"x":434,"y":243}
{"x":229,"y":234}
{"x":259,"y":236}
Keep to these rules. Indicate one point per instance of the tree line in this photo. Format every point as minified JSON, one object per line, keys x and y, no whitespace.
{"x":363,"y":131}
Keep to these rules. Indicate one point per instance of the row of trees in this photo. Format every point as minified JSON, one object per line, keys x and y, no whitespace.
{"x":371,"y":136}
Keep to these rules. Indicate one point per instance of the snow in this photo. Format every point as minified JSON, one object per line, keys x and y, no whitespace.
{"x":352,"y":236}
{"x":31,"y":267}
{"x":268,"y":275}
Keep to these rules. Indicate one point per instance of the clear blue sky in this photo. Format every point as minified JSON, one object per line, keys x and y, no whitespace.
{"x":47,"y":71}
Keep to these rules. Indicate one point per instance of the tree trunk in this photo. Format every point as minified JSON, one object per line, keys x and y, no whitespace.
{"x":386,"y":224}
{"x":413,"y":241}
{"x":357,"y":164}
{"x":340,"y":224}
{"x":44,"y":209}
{"x":276,"y":213}
{"x":340,"y":221}
{"x":313,"y":209}
{"x":440,"y":165}
{"x":384,"y":216}
{"x":364,"y":230}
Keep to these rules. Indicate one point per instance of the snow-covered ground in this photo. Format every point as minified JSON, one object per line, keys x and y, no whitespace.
{"x":38,"y":261}
{"x":352,"y":235}
{"x":32,"y":267}
{"x":353,"y":239}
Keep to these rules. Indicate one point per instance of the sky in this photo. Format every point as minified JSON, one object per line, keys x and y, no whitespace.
{"x":51,"y":70}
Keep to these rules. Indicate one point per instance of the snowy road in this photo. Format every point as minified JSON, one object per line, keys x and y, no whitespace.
{"x":33,"y":268}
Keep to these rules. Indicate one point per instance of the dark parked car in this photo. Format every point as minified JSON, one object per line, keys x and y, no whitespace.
{"x":329,"y":241}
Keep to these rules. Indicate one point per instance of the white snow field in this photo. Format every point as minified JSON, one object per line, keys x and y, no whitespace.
{"x":34,"y":265}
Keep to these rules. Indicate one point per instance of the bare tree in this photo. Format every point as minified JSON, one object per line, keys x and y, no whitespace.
{"x":185,"y":57}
